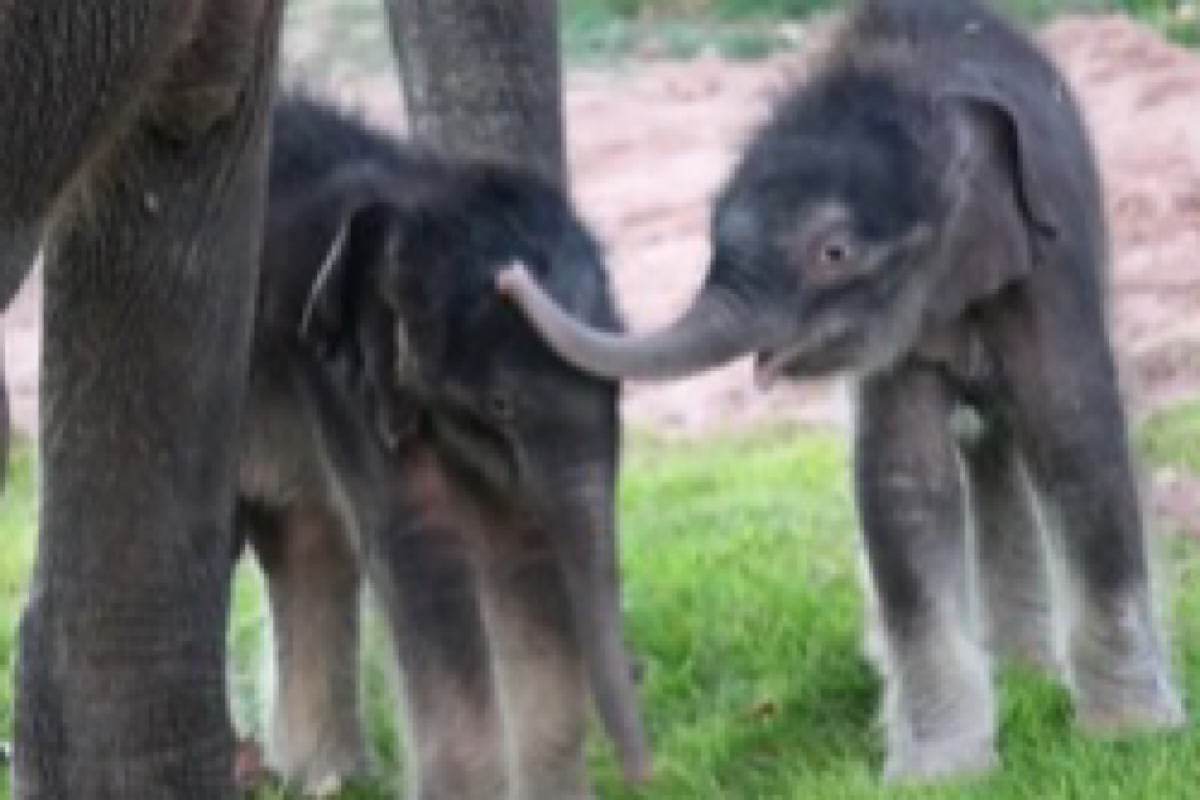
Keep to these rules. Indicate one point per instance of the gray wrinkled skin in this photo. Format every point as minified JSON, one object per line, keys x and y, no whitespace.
{"x":120,"y":661}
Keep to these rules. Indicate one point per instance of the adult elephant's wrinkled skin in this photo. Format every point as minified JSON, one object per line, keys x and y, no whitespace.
{"x":134,"y":150}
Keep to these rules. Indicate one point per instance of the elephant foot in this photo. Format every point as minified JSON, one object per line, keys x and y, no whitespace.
{"x":250,"y":771}
{"x":1120,"y":676}
{"x":329,"y":786}
{"x":1111,"y":706}
{"x":948,"y":758}
{"x":318,"y":765}
{"x":329,"y":782}
{"x":938,"y":710}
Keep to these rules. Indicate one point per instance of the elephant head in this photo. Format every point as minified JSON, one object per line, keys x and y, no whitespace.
{"x":868,"y":208}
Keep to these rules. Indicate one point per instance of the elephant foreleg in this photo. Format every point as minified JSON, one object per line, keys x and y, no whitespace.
{"x":315,"y":738}
{"x":150,"y":276}
{"x":452,"y":724}
{"x":539,"y":672}
{"x":938,"y":708}
{"x":1013,"y":562}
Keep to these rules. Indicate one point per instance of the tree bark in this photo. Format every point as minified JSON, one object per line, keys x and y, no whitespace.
{"x":482,"y":78}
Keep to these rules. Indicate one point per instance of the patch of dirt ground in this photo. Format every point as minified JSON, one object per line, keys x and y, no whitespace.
{"x":652,"y":141}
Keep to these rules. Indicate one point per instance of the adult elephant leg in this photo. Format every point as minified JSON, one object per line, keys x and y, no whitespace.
{"x":149,"y":291}
{"x":72,"y":77}
{"x":316,"y":735}
{"x":938,"y":708}
{"x":62,"y":112}
{"x":482,"y":78}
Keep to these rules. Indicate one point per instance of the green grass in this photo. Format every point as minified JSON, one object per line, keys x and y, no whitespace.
{"x":683,"y":28}
{"x":742,"y":599}
{"x":1172,"y":438}
{"x":17,"y":514}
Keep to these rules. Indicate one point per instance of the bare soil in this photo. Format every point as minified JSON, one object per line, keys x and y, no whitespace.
{"x":651,"y":142}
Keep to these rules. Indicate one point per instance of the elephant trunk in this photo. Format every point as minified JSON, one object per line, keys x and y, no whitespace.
{"x":588,"y":553}
{"x":715,"y":330}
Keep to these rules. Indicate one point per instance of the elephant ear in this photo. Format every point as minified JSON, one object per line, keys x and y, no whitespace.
{"x":355,"y":315}
{"x":997,"y":181}
{"x":353,"y":278}
{"x":992,"y":112}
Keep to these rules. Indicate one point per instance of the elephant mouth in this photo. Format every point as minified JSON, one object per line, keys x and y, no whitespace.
{"x":812,"y":357}
{"x":770,"y":365}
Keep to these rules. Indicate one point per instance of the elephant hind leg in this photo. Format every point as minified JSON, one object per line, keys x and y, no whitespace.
{"x":315,"y":736}
{"x":1015,"y":579}
{"x":1070,"y":425}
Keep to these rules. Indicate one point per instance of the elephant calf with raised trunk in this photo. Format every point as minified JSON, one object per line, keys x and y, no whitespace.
{"x":925,"y":214}
{"x":403,"y":420}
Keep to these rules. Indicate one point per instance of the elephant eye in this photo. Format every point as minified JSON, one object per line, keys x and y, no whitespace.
{"x":500,"y":406}
{"x":834,"y":251}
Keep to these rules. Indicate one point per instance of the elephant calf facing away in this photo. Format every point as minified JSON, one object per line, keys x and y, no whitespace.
{"x":406,"y":424}
{"x":924,"y":213}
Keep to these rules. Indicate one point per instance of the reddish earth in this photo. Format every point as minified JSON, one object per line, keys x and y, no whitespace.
{"x":651,"y":141}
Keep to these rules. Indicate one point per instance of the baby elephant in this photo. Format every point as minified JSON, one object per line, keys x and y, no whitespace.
{"x":406,"y":424}
{"x":925,"y":214}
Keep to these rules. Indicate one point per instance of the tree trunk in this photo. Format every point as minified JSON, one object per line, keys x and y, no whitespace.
{"x":482,"y":78}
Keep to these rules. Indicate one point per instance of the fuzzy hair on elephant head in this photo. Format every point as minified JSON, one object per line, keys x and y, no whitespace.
{"x":479,"y":419}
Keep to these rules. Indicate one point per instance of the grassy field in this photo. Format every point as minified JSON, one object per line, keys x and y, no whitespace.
{"x":742,"y":597}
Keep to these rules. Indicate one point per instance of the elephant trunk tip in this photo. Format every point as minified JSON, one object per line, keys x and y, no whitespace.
{"x":509,"y":279}
{"x":711,"y":333}
{"x":622,"y":719}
